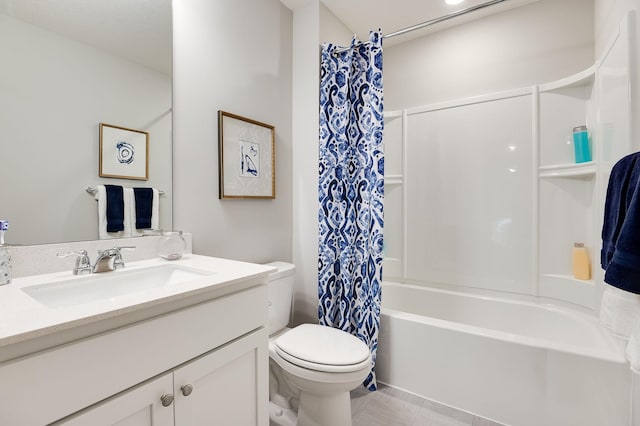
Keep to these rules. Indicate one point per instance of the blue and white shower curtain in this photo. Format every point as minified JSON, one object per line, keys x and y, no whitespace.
{"x":351,"y":190}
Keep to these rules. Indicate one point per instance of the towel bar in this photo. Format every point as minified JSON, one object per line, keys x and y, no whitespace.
{"x":93,"y":191}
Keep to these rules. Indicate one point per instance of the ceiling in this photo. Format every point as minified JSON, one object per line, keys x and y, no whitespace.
{"x":141,"y":30}
{"x":361,"y":16}
{"x":137,"y":30}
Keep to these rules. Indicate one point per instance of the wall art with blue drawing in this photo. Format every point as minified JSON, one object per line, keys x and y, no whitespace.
{"x":246,"y":157}
{"x":124,"y":153}
{"x":249,"y":159}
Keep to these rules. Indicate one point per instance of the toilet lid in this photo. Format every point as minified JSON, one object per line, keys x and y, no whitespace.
{"x":323,"y":348}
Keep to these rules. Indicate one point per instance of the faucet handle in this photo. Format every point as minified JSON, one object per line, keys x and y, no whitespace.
{"x":117,"y":251}
{"x":83,"y":263}
{"x":73,"y":253}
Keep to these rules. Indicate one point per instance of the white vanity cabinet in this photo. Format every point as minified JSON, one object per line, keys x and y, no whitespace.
{"x":221,"y":387}
{"x":213,"y":341}
{"x":140,"y":406}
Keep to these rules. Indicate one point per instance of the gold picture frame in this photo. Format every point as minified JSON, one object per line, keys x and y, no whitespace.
{"x":246,"y":158}
{"x":124,"y":153}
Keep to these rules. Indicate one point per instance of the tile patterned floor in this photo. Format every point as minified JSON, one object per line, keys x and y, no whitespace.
{"x":392,"y":407}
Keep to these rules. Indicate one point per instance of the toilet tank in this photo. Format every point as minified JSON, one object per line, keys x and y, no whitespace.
{"x":280,"y":290}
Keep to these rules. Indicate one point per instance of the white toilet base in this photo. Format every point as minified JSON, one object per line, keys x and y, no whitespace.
{"x":279,"y":416}
{"x":324,"y":410}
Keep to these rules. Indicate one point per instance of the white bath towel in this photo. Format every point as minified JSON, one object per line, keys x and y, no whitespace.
{"x":620,"y":313}
{"x":633,"y":348}
{"x":101,"y":196}
{"x":619,"y":310}
{"x":129,"y":212}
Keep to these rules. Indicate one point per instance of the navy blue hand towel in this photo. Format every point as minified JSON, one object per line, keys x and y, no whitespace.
{"x":620,"y":255}
{"x":144,"y":207}
{"x":115,"y":208}
{"x":622,"y":184}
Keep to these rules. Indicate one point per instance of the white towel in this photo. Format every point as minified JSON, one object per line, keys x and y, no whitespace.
{"x":620,"y":313}
{"x":101,"y":196}
{"x":619,"y":310}
{"x":633,"y":348}
{"x":129,"y":212}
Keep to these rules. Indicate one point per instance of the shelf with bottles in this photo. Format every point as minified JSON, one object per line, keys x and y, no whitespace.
{"x":567,"y":214}
{"x":563,"y":106}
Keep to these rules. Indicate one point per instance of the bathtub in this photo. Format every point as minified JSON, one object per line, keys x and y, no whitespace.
{"x":513,"y":361}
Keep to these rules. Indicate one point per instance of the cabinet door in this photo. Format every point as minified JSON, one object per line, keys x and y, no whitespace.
{"x":140,"y":406}
{"x":226,"y":387}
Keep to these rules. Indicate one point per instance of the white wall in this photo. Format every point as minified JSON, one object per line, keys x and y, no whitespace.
{"x":608,"y":14}
{"x":306,"y":120}
{"x":234,"y":56}
{"x":536,"y":43}
{"x":313,"y":24}
{"x":508,"y":50}
{"x":54,"y":93}
{"x":332,"y":29}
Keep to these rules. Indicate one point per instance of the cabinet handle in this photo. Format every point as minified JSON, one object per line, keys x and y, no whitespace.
{"x":166,"y":400}
{"x":186,"y":390}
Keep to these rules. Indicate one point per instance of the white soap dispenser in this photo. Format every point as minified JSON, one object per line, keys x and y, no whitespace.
{"x":5,"y":255}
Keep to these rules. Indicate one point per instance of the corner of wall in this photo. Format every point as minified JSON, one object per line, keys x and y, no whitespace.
{"x":306,"y":61}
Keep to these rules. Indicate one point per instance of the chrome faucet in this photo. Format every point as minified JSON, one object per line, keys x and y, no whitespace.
{"x":110,"y":259}
{"x":83,"y":263}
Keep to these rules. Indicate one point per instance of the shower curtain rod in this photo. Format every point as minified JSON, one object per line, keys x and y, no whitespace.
{"x":433,"y":21}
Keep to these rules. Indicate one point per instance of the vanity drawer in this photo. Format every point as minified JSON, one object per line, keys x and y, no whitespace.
{"x":52,"y":384}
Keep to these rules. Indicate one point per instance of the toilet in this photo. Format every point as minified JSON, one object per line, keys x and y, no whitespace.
{"x":312,"y":368}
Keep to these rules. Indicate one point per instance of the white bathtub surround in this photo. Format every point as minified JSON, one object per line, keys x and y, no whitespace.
{"x":513,"y":361}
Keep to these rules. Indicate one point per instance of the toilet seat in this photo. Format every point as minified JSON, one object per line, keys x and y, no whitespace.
{"x":324,"y":349}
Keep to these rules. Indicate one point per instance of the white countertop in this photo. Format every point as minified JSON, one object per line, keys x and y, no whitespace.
{"x":23,"y":318}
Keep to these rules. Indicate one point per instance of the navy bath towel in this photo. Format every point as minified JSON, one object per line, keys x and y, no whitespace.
{"x":115,"y":208}
{"x":144,"y":207}
{"x":622,"y":184}
{"x":620,"y":255}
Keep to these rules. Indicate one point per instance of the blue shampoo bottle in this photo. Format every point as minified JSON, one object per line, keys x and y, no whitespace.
{"x":581,"y":144}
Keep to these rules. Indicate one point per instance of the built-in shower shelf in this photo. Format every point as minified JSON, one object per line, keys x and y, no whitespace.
{"x":393,"y":180}
{"x":566,"y":287}
{"x":392,"y":114}
{"x":583,"y":78}
{"x":569,"y":278}
{"x":568,"y":170}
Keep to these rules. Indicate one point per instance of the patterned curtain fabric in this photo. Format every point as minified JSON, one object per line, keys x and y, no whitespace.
{"x":351,"y":191}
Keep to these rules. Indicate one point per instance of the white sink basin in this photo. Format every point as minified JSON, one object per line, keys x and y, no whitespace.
{"x":110,"y":285}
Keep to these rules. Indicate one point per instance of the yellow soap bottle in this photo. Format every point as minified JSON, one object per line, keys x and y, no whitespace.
{"x":581,"y":264}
